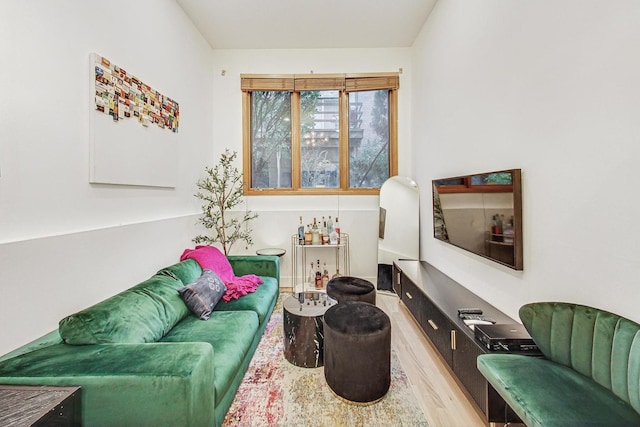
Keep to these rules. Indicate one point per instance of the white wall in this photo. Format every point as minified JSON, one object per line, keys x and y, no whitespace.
{"x":56,"y":229}
{"x":278,"y":215}
{"x":544,"y":86}
{"x":552,"y":88}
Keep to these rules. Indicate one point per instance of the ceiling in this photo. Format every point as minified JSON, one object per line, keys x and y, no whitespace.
{"x":305,"y":24}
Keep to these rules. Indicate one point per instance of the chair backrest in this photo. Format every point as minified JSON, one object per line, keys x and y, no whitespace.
{"x":593,"y":342}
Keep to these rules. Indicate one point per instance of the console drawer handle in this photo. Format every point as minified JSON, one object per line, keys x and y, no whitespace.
{"x":408,"y":295}
{"x":432,"y":324}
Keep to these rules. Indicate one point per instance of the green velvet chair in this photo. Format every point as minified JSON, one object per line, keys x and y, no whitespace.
{"x":589,"y":375}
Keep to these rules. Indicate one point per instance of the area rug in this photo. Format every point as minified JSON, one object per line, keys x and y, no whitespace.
{"x":276,"y":393}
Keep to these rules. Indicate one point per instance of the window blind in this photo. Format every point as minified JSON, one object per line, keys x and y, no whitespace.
{"x":304,"y":82}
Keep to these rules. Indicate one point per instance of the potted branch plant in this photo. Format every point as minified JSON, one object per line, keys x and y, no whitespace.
{"x":221,"y":190}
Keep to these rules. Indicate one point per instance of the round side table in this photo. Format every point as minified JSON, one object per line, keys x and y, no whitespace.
{"x":271,"y":251}
{"x":303,"y":329}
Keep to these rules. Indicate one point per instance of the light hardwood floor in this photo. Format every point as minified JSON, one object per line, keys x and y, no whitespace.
{"x":442,"y":400}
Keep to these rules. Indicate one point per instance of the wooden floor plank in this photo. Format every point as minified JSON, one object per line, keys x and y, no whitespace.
{"x":441,"y":398}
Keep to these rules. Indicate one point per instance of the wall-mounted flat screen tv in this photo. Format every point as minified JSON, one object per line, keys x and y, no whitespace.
{"x":481,"y":213}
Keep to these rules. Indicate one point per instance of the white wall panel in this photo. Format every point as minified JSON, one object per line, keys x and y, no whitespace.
{"x":66,"y":243}
{"x":43,"y":280}
{"x":551,"y":88}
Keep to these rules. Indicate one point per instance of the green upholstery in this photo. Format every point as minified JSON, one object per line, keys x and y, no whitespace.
{"x":188,"y":377}
{"x":186,"y":271}
{"x":260,"y":301}
{"x":230,"y":347}
{"x":261,"y":265}
{"x":143,"y":313}
{"x":127,"y":384}
{"x":44,"y":341}
{"x":590,"y":374}
{"x":226,"y":400}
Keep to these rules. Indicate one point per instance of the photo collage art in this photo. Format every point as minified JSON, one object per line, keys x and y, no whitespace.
{"x":122,"y":95}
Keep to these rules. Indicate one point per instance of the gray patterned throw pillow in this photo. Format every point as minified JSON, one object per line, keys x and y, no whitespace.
{"x":203,"y":294}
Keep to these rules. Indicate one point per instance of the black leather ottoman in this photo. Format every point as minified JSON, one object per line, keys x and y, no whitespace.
{"x":357,"y":351}
{"x":347,"y":288}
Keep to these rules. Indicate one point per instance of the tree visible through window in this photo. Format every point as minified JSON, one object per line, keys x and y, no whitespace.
{"x":319,"y":134}
{"x":271,"y":139}
{"x":368,"y":138}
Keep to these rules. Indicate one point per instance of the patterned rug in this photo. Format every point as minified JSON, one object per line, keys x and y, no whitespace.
{"x":276,"y":393}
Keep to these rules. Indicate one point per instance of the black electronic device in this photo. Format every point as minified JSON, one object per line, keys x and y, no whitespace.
{"x":505,"y":337}
{"x":462,"y":311}
{"x":476,"y":317}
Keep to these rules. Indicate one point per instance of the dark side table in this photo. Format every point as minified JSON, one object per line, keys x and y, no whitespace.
{"x":39,"y":406}
{"x":302,"y":317}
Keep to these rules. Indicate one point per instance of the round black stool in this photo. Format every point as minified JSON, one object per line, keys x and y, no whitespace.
{"x":347,"y":288}
{"x":357,"y":351}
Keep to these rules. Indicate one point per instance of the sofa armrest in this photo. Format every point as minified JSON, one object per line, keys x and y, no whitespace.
{"x":153,"y":384}
{"x":47,"y":340}
{"x":260,"y":265}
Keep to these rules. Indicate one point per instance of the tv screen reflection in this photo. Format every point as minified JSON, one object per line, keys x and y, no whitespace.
{"x":481,"y":213}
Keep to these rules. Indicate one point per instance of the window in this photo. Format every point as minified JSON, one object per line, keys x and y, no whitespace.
{"x":319,"y":134}
{"x":493,"y":182}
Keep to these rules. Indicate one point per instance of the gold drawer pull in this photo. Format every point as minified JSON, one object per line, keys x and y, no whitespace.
{"x":432,"y":324}
{"x":408,"y":295}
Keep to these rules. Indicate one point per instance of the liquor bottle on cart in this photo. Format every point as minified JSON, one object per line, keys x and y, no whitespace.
{"x":325,"y":276}
{"x":318,"y":280}
{"x":325,"y":233}
{"x":311,"y":277}
{"x":316,"y":240}
{"x":301,"y":232}
{"x":308,"y":235}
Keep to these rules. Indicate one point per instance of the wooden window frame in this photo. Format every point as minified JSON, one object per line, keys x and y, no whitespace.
{"x":295,"y":83}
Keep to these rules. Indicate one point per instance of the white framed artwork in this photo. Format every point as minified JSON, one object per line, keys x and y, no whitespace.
{"x":133,"y":129}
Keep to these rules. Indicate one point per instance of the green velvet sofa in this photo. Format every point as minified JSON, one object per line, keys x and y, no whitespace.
{"x":145,"y":360}
{"x":589,"y":375}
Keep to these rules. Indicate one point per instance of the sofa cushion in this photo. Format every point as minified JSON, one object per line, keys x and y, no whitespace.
{"x":143,"y":313}
{"x":547,"y":394}
{"x":203,"y":294}
{"x":259,"y":301}
{"x":186,"y":271}
{"x":230,"y":334}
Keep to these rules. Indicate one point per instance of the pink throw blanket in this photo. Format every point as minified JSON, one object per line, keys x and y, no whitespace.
{"x":211,"y":258}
